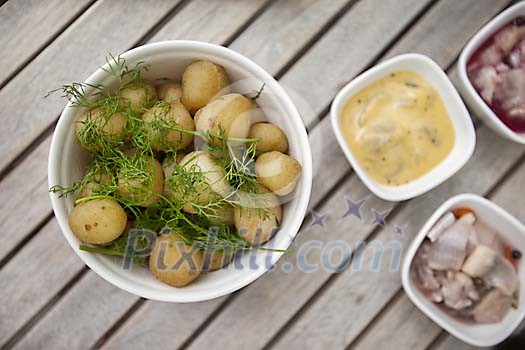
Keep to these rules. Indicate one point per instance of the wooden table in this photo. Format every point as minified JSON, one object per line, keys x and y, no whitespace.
{"x":51,"y":300}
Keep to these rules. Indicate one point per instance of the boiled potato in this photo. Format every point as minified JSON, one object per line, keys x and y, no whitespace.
{"x":272,"y":138}
{"x":278,"y":171}
{"x":159,"y":120}
{"x":139,"y":95}
{"x":223,"y":215}
{"x":230,"y":113}
{"x":142,"y":190}
{"x":257,"y":216}
{"x":168,"y":167}
{"x":209,"y":188}
{"x":167,"y":263}
{"x":98,"y":125}
{"x":169,"y":92}
{"x":96,"y":181}
{"x":98,"y":221}
{"x":201,"y":81}
{"x":215,"y":260}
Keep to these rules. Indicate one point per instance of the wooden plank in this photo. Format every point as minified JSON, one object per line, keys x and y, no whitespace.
{"x":33,"y":201}
{"x":24,"y":198}
{"x":28,"y":26}
{"x":56,"y":328}
{"x":213,"y":21}
{"x":79,"y":317}
{"x":107,"y":26}
{"x":345,"y":50}
{"x":34,"y":276}
{"x":453,"y":343}
{"x":152,"y":332}
{"x":276,"y":313}
{"x":281,"y":31}
{"x":35,"y":206}
{"x":404,"y":314}
{"x":326,"y":323}
{"x":170,"y":317}
{"x":403,"y":326}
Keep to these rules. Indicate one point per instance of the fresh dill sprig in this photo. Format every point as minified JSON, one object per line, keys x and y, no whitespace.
{"x":259,"y":92}
{"x":122,"y":166}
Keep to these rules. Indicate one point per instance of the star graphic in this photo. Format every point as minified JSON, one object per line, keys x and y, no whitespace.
{"x":379,"y":218}
{"x":354,"y":208}
{"x":400,"y":230}
{"x":318,"y":220}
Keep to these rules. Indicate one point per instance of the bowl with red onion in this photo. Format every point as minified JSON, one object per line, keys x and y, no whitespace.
{"x":466,"y":272}
{"x":492,"y":73}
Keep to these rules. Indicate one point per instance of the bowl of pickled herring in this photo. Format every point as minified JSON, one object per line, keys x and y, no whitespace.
{"x":492,"y":73}
{"x":465,"y":270}
{"x":403,"y":127}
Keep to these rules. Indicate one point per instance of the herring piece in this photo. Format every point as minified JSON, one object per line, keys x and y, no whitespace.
{"x":458,"y":291}
{"x":492,"y":308}
{"x":449,"y":251}
{"x":441,"y":226}
{"x":493,"y":268}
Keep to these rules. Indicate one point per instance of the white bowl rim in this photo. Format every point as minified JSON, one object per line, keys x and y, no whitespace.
{"x":344,"y":94}
{"x":474,"y":43}
{"x":294,"y":225}
{"x":416,"y":242}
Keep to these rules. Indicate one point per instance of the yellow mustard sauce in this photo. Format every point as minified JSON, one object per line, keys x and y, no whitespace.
{"x":398,"y":128}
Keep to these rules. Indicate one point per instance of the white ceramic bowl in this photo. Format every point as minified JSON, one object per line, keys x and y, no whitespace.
{"x":465,"y":135}
{"x":512,"y":231}
{"x":469,"y":93}
{"x":168,"y":59}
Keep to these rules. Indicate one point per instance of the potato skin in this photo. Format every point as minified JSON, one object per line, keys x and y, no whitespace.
{"x":110,"y":126}
{"x":169,"y":91}
{"x":278,"y":172}
{"x":272,"y":138}
{"x":231,"y":114}
{"x":160,"y":118}
{"x":96,"y":181}
{"x":213,"y":185}
{"x":201,"y":81}
{"x":135,"y":190}
{"x":139,"y":95}
{"x":98,"y":221}
{"x":166,"y":265}
{"x":257,"y":223}
{"x":216,"y":260}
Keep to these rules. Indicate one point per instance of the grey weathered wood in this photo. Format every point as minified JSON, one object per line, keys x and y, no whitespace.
{"x":401,"y":326}
{"x":24,"y":199}
{"x":409,"y":321}
{"x":278,"y":34}
{"x":79,"y":317}
{"x":347,"y":49}
{"x":107,"y":26}
{"x":33,"y":277}
{"x":149,"y":332}
{"x":326,"y":323}
{"x":267,"y":292}
{"x":32,"y":205}
{"x":32,"y":202}
{"x":213,"y":21}
{"x":453,"y":343}
{"x":28,"y":25}
{"x":283,"y":305}
{"x":170,"y":317}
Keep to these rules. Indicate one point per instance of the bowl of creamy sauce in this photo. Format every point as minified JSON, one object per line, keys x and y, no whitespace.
{"x":403,"y":127}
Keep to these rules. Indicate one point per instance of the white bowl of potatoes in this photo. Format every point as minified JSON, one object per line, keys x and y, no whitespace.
{"x":179,"y":171}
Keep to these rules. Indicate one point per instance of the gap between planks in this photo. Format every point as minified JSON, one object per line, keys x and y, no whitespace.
{"x":45,"y":44}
